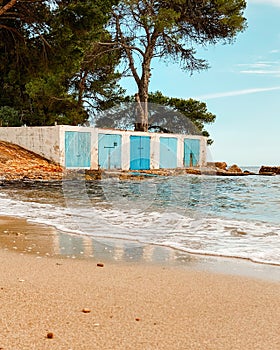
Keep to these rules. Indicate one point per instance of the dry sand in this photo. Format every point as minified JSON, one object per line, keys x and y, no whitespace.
{"x":132,"y":306}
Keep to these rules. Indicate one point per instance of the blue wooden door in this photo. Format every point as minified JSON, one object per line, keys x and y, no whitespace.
{"x":77,"y":149}
{"x":191,"y":152}
{"x":109,"y":151}
{"x":168,"y":152}
{"x":139,"y":152}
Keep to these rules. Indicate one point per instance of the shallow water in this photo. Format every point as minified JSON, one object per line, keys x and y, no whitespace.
{"x":222,"y":216}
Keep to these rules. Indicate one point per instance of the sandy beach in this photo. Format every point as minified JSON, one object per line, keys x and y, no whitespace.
{"x":50,"y":302}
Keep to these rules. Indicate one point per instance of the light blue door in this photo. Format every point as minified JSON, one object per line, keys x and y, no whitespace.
{"x":109,"y":151}
{"x":191,"y":152}
{"x":139,"y":152}
{"x":168,"y":152}
{"x":77,"y":149}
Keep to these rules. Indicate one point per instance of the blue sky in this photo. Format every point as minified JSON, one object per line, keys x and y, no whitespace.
{"x":241,"y":87}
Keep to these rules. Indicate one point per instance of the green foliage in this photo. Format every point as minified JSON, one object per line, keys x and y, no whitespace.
{"x":166,"y":114}
{"x":58,"y":63}
{"x":195,"y":113}
{"x":9,"y":117}
{"x":51,"y":69}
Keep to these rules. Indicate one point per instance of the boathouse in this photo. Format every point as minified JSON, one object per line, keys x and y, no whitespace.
{"x":92,"y":148}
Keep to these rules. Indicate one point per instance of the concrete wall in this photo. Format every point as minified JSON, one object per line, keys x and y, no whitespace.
{"x":49,"y":142}
{"x":44,"y":141}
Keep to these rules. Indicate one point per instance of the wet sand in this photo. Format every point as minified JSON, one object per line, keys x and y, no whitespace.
{"x":142,"y":300}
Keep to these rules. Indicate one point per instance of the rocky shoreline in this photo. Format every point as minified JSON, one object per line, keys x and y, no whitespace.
{"x":16,"y":163}
{"x":269,"y":170}
{"x":19,"y":164}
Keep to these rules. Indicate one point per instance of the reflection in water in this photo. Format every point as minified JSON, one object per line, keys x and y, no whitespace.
{"x":23,"y":237}
{"x":118,"y":250}
{"x":40,"y":240}
{"x":70,"y":245}
{"x":114,"y":250}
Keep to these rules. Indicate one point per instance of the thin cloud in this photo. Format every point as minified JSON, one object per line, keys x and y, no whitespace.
{"x":261,"y":68}
{"x":258,"y":64}
{"x":259,"y":71}
{"x":261,"y":65}
{"x":266,"y":2}
{"x":235,"y":93}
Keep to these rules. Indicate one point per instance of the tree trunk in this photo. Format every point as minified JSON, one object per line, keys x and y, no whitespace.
{"x":142,"y":113}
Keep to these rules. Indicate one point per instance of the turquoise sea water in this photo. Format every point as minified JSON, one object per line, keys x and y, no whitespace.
{"x":222,"y":216}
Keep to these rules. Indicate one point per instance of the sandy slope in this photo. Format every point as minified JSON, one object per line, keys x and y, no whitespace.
{"x":18,"y":163}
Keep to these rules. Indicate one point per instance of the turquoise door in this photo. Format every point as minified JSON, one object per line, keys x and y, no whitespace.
{"x":191,"y":152}
{"x":168,"y":152}
{"x":77,"y":149}
{"x":139,"y":152}
{"x":109,"y":151}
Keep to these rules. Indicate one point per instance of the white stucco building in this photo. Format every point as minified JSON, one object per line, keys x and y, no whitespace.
{"x":91,"y":148}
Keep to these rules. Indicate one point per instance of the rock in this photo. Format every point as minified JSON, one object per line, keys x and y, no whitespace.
{"x":193,"y":171}
{"x":50,"y":335}
{"x":269,"y":170}
{"x":247,"y":172}
{"x":210,"y":171}
{"x":137,"y":319}
{"x":234,"y":169}
{"x":86,"y":310}
{"x":17,"y":163}
{"x":267,"y":173}
{"x":93,"y":174}
{"x":100,"y":265}
{"x":219,"y":165}
{"x":228,"y":173}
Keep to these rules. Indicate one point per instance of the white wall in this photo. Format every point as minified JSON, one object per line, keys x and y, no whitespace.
{"x":49,"y":142}
{"x":44,"y":141}
{"x":155,"y":146}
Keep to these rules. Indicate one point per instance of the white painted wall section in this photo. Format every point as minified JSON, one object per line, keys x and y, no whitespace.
{"x":44,"y":141}
{"x":49,"y":142}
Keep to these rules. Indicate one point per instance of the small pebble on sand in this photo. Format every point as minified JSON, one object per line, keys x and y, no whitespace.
{"x":86,"y":310}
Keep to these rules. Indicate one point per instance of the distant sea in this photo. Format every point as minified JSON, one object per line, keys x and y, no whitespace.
{"x":221,"y":216}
